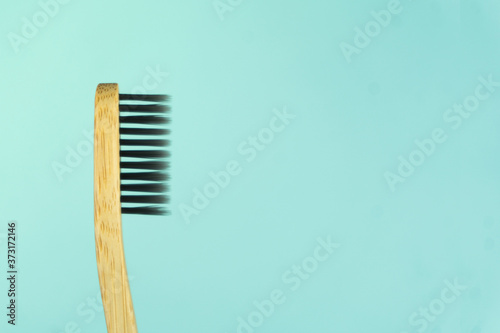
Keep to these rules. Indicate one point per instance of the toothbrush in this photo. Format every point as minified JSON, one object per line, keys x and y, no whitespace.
{"x":123,"y":124}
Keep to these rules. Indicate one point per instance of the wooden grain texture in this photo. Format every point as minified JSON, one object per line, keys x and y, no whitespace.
{"x":115,"y":291}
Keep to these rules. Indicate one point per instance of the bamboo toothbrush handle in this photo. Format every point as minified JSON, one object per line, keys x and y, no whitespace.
{"x":113,"y":280}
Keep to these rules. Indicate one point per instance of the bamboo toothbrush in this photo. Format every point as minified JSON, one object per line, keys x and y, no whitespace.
{"x":123,"y":124}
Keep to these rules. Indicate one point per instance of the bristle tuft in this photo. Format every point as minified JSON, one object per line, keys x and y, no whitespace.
{"x":146,"y":120}
{"x":154,"y":143}
{"x":151,"y":199}
{"x":144,"y":108}
{"x":145,"y":176}
{"x":143,"y":131}
{"x":147,"y":187}
{"x":148,"y":165}
{"x":149,"y":154}
{"x":142,"y":97}
{"x":145,"y":210}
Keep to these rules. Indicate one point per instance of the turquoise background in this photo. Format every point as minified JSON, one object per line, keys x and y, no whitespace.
{"x":322,"y":176}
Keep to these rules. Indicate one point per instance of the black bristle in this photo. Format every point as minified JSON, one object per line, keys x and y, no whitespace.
{"x":149,"y":165}
{"x":143,"y":108}
{"x":141,"y":97}
{"x":144,"y":153}
{"x":144,"y":131}
{"x":154,"y":143}
{"x":148,"y":120}
{"x":145,"y":210}
{"x":153,"y":182}
{"x":152,"y":199}
{"x":146,"y":176}
{"x":148,"y":187}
